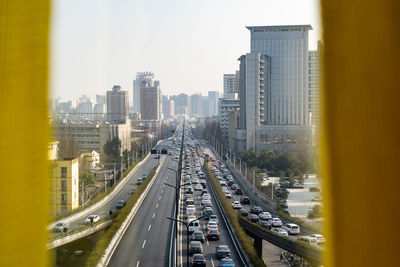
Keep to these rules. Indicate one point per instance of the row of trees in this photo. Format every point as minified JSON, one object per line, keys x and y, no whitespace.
{"x":279,"y":164}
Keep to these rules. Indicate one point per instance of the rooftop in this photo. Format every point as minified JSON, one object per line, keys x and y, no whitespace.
{"x":279,"y":28}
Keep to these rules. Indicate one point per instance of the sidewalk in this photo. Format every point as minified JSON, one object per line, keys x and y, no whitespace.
{"x":272,"y":255}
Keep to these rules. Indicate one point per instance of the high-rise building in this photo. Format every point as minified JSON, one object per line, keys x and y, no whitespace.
{"x":273,"y":95}
{"x":195,"y":105}
{"x":205,"y":106}
{"x":230,"y":84}
{"x":85,"y":109}
{"x":213,"y":103}
{"x":117,"y":105}
{"x":101,"y":99}
{"x":168,"y":107}
{"x":100,"y":111}
{"x":150,"y":102}
{"x":225,"y":107}
{"x":181,"y":104}
{"x":313,"y":85}
{"x":146,"y":77}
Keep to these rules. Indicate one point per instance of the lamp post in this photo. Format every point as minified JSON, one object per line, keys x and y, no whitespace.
{"x":187,"y":232}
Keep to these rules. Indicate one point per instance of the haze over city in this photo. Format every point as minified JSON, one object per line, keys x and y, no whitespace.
{"x":187,"y":45}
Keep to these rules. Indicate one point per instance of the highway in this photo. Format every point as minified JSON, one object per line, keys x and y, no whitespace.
{"x":124,"y":193}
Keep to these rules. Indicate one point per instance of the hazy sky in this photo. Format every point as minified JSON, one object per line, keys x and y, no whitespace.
{"x":188,"y":44}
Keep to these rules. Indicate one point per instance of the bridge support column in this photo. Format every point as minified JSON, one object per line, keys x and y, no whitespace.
{"x":258,"y":246}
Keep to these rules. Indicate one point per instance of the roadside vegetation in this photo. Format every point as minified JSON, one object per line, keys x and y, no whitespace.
{"x":102,"y":244}
{"x":244,"y":239}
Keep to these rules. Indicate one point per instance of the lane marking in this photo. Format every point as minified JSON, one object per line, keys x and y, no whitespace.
{"x":159,"y":198}
{"x":162,"y":191}
{"x":208,"y":244}
{"x":154,"y":214}
{"x":148,"y":229}
{"x":137,"y":264}
{"x":212,"y":262}
{"x":144,"y":243}
{"x":157,"y":205}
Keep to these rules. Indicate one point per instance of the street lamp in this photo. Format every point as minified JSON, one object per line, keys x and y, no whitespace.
{"x":187,"y":231}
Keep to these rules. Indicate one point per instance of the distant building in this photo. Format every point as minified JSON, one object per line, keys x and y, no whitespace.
{"x":117,"y":105}
{"x":65,"y":186}
{"x":101,"y":99}
{"x":53,"y":150}
{"x":88,"y":160}
{"x":181,"y":103}
{"x":225,"y":107}
{"x":313,"y":86}
{"x":181,"y":110}
{"x":230,"y":83}
{"x":85,"y":109}
{"x":100,"y":111}
{"x":141,"y":77}
{"x":213,"y":97}
{"x":150,"y":102}
{"x":205,"y":106}
{"x":195,"y":105}
{"x":168,"y":106}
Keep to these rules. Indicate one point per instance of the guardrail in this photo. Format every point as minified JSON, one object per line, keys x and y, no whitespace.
{"x":70,"y":237}
{"x":312,"y":255}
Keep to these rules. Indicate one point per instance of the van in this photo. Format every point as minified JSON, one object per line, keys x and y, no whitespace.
{"x":194,"y":226}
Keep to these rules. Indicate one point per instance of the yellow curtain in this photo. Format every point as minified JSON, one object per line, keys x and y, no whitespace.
{"x":361,"y":122}
{"x":24,"y":131}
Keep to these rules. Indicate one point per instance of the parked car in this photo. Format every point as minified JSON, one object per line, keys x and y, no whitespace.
{"x":222,"y":251}
{"x":292,"y":228}
{"x":213,"y":234}
{"x":198,"y":236}
{"x":120,"y":204}
{"x":245,"y":200}
{"x":227,"y":262}
{"x":280,"y":231}
{"x":61,"y":227}
{"x":255,"y":210}
{"x":195,"y":247}
{"x":253,"y":217}
{"x":92,"y":219}
{"x":198,"y":260}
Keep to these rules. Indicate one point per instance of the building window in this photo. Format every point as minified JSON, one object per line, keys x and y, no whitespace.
{"x":63,"y":185}
{"x":64,"y":210}
{"x":63,"y":172}
{"x":63,"y":199}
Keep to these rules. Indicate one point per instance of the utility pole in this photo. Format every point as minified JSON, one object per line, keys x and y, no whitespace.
{"x":105,"y":182}
{"x":272,"y":190}
{"x":114,"y":175}
{"x":254,"y":176}
{"x":83,"y":191}
{"x":122,"y":171}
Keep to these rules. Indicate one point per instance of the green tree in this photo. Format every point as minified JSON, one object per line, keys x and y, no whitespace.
{"x":112,"y":148}
{"x":291,"y":179}
{"x":87,"y":178}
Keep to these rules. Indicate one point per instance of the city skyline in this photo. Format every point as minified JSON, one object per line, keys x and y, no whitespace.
{"x":115,"y":43}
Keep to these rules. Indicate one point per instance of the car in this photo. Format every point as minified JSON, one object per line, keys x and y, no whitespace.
{"x":243,"y":212}
{"x":213,"y":234}
{"x":190,"y":210}
{"x":61,"y":227}
{"x":206,"y":196}
{"x":280,"y":231}
{"x":239,"y":191}
{"x":212,"y":225}
{"x":227,"y":262}
{"x":308,"y":239}
{"x":253,"y":217}
{"x":120,"y":204}
{"x":234,"y":186}
{"x":204,"y":191}
{"x":213,"y":218}
{"x":202,"y":175}
{"x":276,"y":222}
{"x":298,"y":186}
{"x":144,"y":176}
{"x":198,"y":187}
{"x":222,"y":251}
{"x":245,"y":200}
{"x":320,"y":238}
{"x":208,"y":212}
{"x":198,"y":260}
{"x":231,"y":182}
{"x":189,"y":201}
{"x":195,"y":247}
{"x":92,"y":219}
{"x":198,"y":236}
{"x":292,"y":228}
{"x":265,"y":215}
{"x":255,"y":210}
{"x":266,"y":224}
{"x":206,"y":202}
{"x":236,"y":205}
{"x":228,"y":194}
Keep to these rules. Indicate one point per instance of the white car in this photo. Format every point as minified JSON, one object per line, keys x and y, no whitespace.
{"x":276,"y":222}
{"x":213,"y":218}
{"x":265,"y":215}
{"x":206,"y":202}
{"x":292,"y":228}
{"x":228,"y":194}
{"x":212,"y":225}
{"x":320,"y":238}
{"x":190,"y":210}
{"x":206,"y":196}
{"x":236,"y":205}
{"x":280,"y":231}
{"x":92,"y":219}
{"x":60,"y":226}
{"x":198,"y":187}
{"x":201,"y":175}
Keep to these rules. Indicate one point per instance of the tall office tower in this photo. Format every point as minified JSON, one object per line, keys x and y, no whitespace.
{"x":195,"y":105}
{"x":313,"y":86}
{"x":85,"y":109}
{"x":213,"y":103}
{"x":150,"y":102}
{"x":181,"y":103}
{"x":229,"y":86}
{"x":117,"y":105}
{"x":237,"y":82}
{"x":205,"y":106}
{"x":273,"y":82}
{"x":168,"y":107}
{"x":101,"y":99}
{"x":100,"y":111}
{"x":147,"y":77}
